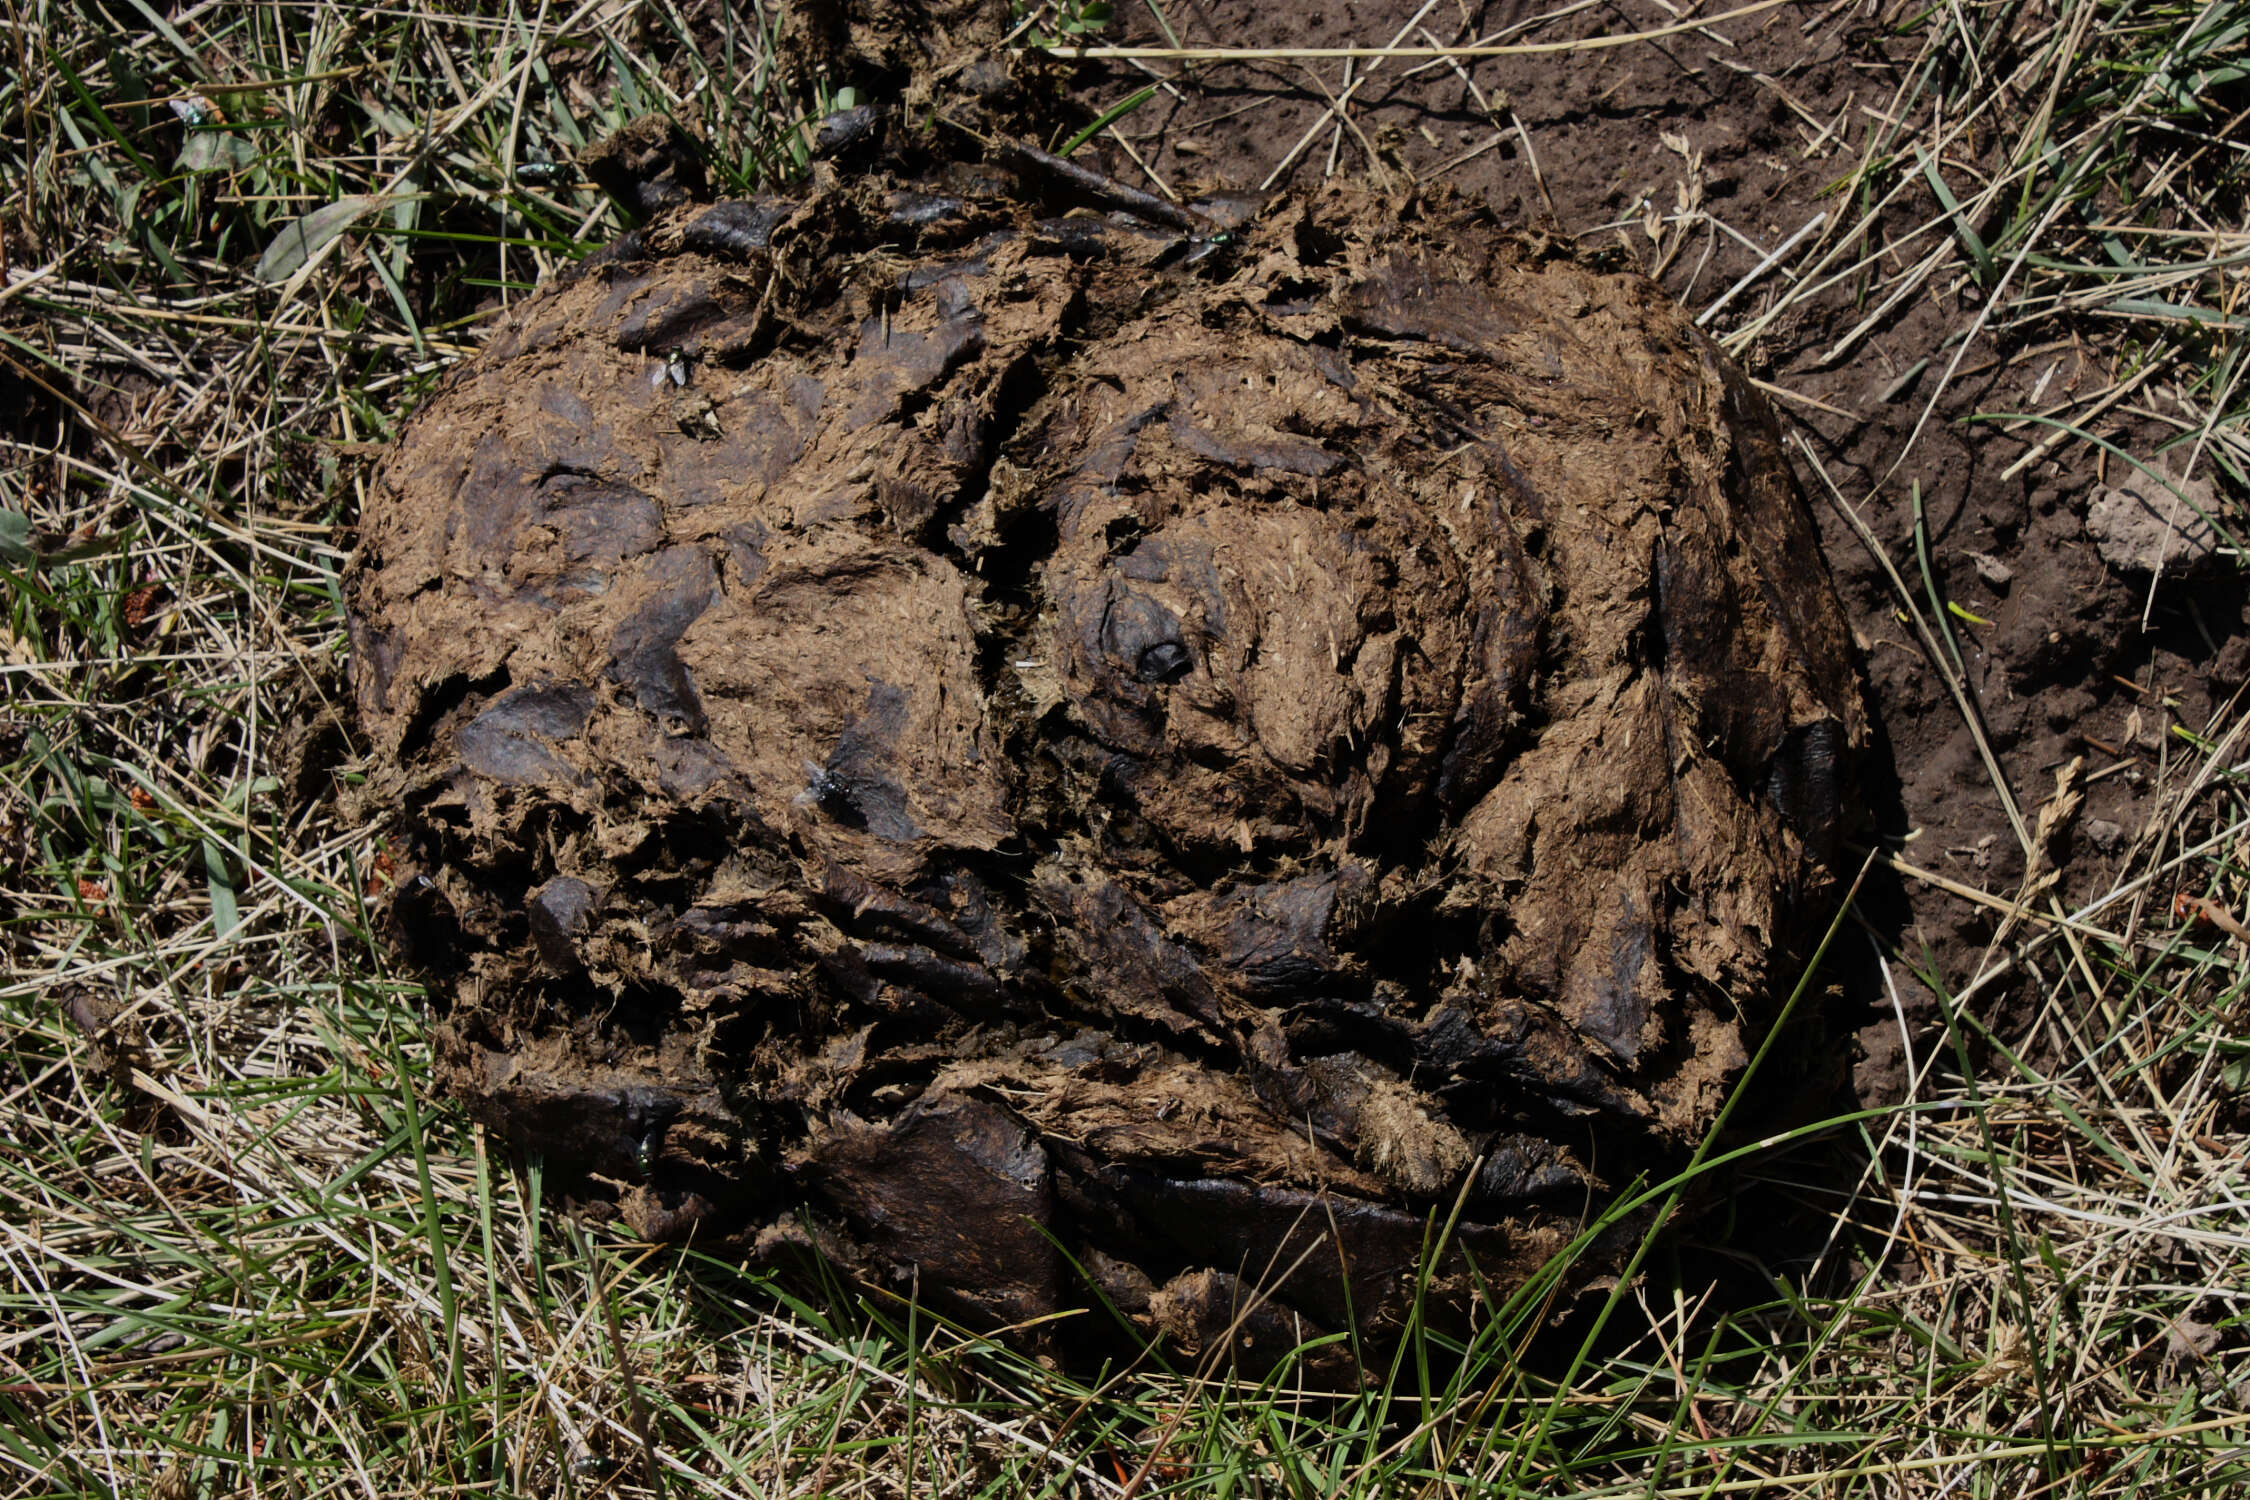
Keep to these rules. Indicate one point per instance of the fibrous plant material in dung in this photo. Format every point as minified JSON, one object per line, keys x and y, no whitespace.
{"x":1044,"y":755}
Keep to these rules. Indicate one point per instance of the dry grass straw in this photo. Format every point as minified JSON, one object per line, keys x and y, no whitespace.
{"x":242,"y":1253}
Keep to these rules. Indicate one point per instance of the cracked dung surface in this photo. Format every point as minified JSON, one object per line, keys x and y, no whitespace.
{"x":1022,"y":752}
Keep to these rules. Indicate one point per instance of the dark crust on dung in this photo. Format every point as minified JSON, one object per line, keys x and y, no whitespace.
{"x":1009,"y":749}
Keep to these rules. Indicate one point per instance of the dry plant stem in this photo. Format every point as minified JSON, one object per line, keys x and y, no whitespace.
{"x":1394,"y":50}
{"x":2062,"y":199}
{"x":1515,"y":28}
{"x":1030,"y":159}
{"x":1801,"y":399}
{"x":651,"y":1468}
{"x":1752,"y":276}
{"x":1813,"y":283}
{"x":2045,"y":447}
{"x":812,"y":1342}
{"x":1999,"y":903}
{"x":1930,"y":646}
{"x":1126,"y":146}
{"x":1341,"y":114}
{"x":1336,"y":105}
{"x":1531,"y":159}
{"x":1974,"y":721}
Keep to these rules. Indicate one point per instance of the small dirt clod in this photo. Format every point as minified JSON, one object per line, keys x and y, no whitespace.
{"x":2146,"y":523}
{"x":1043,"y":755}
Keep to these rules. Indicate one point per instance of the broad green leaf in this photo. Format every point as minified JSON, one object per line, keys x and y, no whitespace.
{"x":406,"y":209}
{"x":131,"y":84}
{"x":2158,"y":307}
{"x":15,"y":539}
{"x":306,"y":236}
{"x":215,"y":151}
{"x":16,"y":546}
{"x":101,"y":544}
{"x":1979,"y":256}
{"x":226,"y":911}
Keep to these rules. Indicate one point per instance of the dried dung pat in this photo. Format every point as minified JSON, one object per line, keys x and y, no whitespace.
{"x":1101,"y":770}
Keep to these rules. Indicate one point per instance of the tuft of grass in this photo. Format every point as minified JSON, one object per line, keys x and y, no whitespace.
{"x":244,"y":1251}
